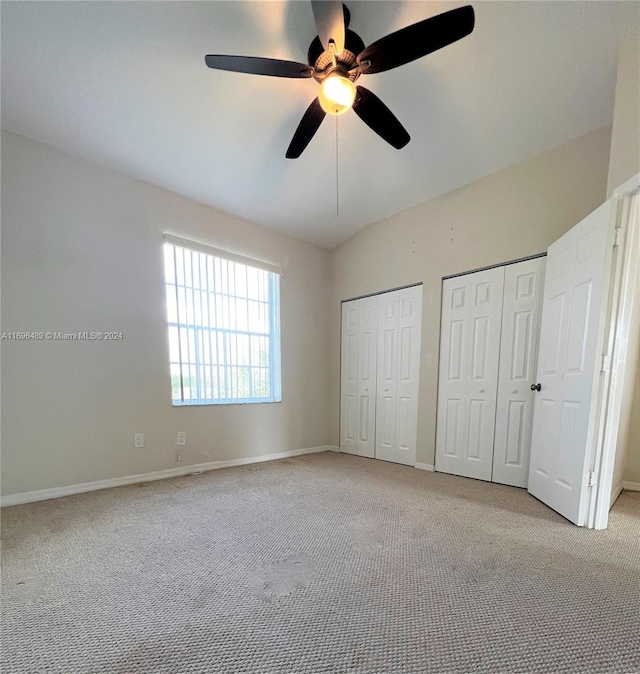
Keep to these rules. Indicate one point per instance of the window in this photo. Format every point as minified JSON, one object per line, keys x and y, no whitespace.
{"x":224,"y":326}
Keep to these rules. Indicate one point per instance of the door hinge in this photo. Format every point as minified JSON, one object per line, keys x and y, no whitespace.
{"x":606,"y":363}
{"x":619,"y":236}
{"x":592,"y":479}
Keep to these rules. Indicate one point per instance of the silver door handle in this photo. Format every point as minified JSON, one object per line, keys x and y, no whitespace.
{"x":515,"y":390}
{"x":386,"y":390}
{"x":366,"y":389}
{"x":480,"y":390}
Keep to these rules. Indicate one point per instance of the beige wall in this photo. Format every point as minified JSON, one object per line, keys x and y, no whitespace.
{"x":632,"y":468}
{"x":82,"y":250}
{"x":513,"y":213}
{"x":624,"y":163}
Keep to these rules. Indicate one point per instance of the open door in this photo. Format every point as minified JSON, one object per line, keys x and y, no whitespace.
{"x":574,"y":309}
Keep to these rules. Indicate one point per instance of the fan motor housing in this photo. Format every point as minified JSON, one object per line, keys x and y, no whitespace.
{"x":320,"y":59}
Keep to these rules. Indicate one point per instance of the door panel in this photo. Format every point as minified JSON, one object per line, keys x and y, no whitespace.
{"x":574,"y":303}
{"x":521,"y":308}
{"x":349,"y":379}
{"x":452,"y":445}
{"x":399,"y":371}
{"x":480,"y":348}
{"x":365,"y":420}
{"x":456,"y":338}
{"x":380,"y":375}
{"x":410,"y":329}
{"x":351,"y":422}
{"x":388,"y":376}
{"x":367,"y":363}
{"x":470,"y":338}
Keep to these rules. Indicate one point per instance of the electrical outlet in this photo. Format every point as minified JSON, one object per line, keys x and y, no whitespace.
{"x":181,"y":438}
{"x":138,"y":440}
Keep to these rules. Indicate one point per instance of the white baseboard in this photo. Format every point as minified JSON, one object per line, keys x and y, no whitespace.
{"x":631,"y":486}
{"x":333,"y":448}
{"x":57,"y":492}
{"x":424,"y":466}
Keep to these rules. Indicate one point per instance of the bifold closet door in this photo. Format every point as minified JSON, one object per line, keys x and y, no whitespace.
{"x":399,"y":329}
{"x":469,"y":354}
{"x":523,"y":285}
{"x":358,"y":376}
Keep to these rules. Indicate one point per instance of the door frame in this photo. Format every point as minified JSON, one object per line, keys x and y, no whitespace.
{"x":619,"y":351}
{"x":493,"y":266}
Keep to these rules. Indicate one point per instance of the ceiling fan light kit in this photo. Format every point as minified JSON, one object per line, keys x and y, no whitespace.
{"x":337,"y":58}
{"x":336,"y":94}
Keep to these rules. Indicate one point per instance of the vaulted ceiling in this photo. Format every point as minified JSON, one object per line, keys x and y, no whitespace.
{"x":124,"y":84}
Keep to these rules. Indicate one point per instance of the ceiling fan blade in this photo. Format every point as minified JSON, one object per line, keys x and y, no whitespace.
{"x":329,"y":18}
{"x":417,"y":40}
{"x":306,"y":130}
{"x":255,"y":65}
{"x":377,"y":116}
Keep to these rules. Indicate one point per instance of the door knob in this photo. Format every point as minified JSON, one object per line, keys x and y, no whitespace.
{"x":536,"y":387}
{"x":480,"y":390}
{"x":366,"y":389}
{"x":515,"y":390}
{"x":386,"y":390}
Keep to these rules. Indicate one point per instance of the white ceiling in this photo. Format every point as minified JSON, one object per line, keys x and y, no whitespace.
{"x":124,"y":84}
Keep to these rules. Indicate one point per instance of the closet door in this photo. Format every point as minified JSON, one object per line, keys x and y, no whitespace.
{"x":399,"y":330}
{"x":367,"y":359}
{"x":358,"y":376}
{"x":409,"y":332}
{"x":349,"y":379}
{"x":467,"y":388}
{"x":521,"y":306}
{"x":387,"y":377}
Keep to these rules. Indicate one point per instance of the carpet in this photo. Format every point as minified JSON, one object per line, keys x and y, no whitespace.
{"x":324,"y":563}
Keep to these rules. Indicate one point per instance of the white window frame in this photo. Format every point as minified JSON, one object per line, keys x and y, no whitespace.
{"x":207,"y":332}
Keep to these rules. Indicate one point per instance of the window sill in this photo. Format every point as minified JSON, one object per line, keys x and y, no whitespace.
{"x":221,"y":403}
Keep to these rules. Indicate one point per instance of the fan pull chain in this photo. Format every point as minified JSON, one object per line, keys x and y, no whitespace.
{"x":337,"y":182}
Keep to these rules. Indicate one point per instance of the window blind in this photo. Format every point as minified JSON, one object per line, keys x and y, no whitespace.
{"x":224,"y":327}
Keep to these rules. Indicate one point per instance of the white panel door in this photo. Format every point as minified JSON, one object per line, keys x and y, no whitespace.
{"x":467,"y":387}
{"x":387,"y":376}
{"x":521,"y":306}
{"x":570,"y":342}
{"x":409,"y":332}
{"x":399,"y":330}
{"x":349,"y":379}
{"x":367,"y":360}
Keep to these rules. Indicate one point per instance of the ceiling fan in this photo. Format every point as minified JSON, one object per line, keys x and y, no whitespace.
{"x":337,"y":57}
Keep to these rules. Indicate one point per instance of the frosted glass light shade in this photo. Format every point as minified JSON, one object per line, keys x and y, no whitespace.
{"x":337,"y":94}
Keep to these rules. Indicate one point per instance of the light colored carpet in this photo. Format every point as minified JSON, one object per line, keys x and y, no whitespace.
{"x":324,"y":563}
